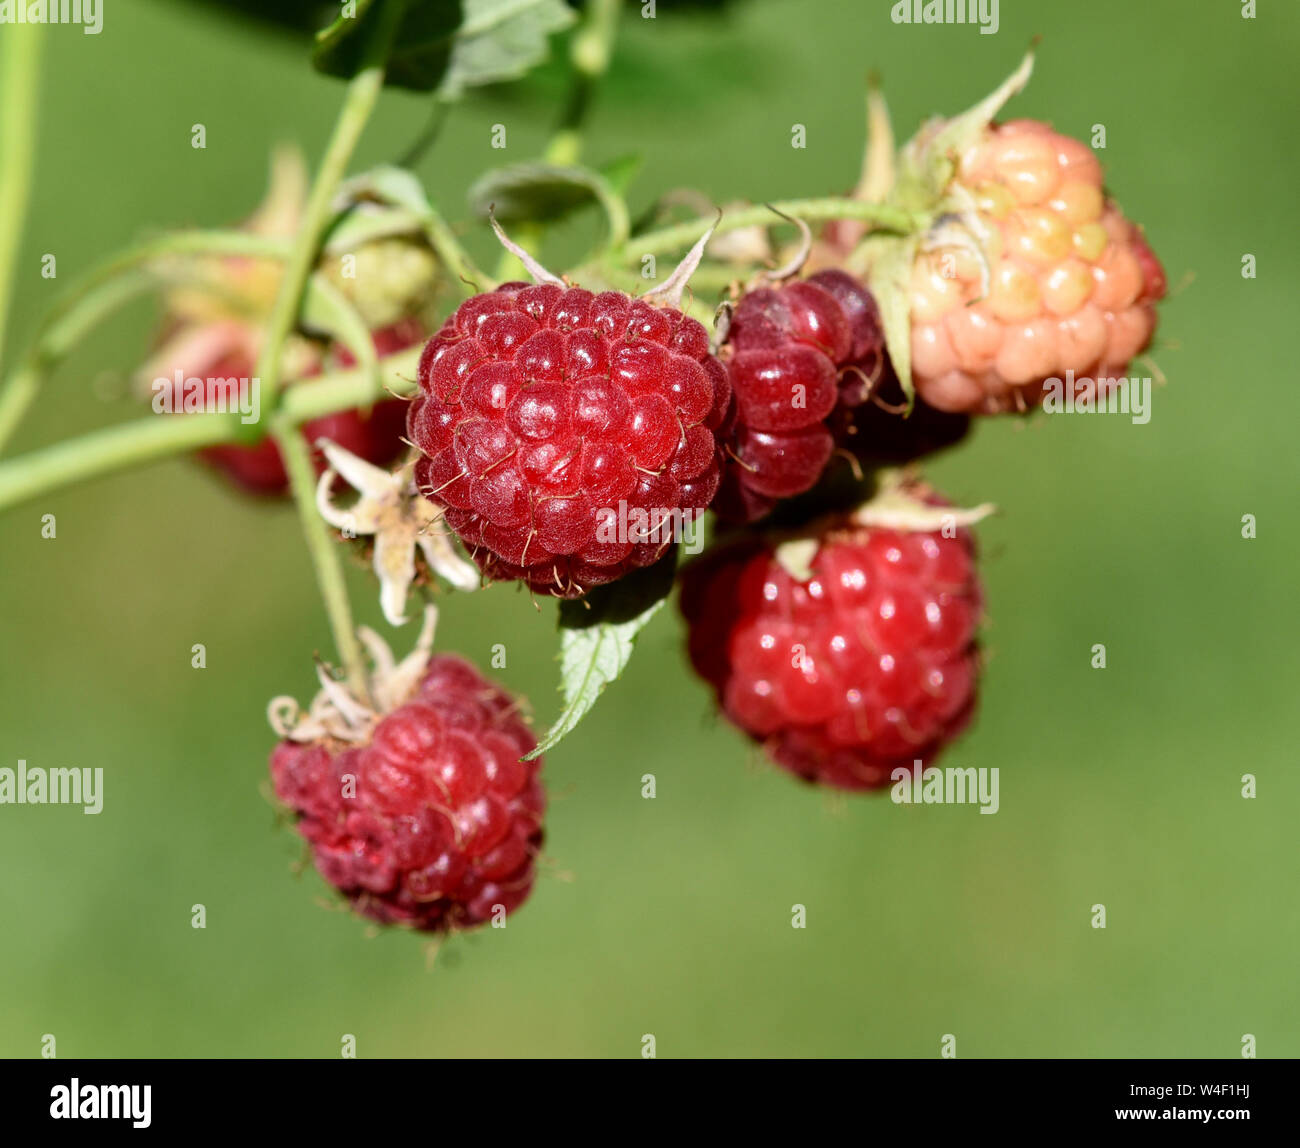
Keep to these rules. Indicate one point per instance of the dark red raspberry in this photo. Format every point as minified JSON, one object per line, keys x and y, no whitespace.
{"x":545,"y":411}
{"x":375,"y":435}
{"x":863,"y":667}
{"x":880,"y":433}
{"x":434,"y":822}
{"x":801,"y":357}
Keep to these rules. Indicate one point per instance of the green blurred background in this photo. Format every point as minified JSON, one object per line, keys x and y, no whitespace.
{"x":672,"y":916}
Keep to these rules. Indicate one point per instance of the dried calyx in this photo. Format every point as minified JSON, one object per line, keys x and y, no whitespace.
{"x":336,"y":714}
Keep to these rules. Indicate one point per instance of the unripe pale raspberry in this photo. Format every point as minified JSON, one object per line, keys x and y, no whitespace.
{"x":548,"y":416}
{"x":863,"y":666}
{"x":1070,"y":284}
{"x":433,"y":822}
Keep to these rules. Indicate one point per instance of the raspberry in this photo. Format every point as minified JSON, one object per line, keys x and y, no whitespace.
{"x":545,"y":409}
{"x":878,"y":433}
{"x":798,"y":356}
{"x":861,"y":665}
{"x":376,"y":435}
{"x":432,"y":821}
{"x":1070,"y":283}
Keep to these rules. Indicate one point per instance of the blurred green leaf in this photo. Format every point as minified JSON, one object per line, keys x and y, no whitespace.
{"x":442,"y":46}
{"x":500,"y":40}
{"x":544,"y":193}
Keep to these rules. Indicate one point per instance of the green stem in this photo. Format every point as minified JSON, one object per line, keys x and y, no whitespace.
{"x":101,"y":291}
{"x":324,"y":553}
{"x":171,"y":244}
{"x":56,"y":340}
{"x":454,"y":257}
{"x":20,"y":68}
{"x":681,"y":235}
{"x":363,"y":94}
{"x":589,"y":55}
{"x":112,"y":448}
{"x":157,"y":436}
{"x":428,"y":135}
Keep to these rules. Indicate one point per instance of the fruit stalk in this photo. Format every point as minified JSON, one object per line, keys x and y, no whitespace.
{"x":20,"y":67}
{"x":681,"y":235}
{"x":324,"y":554}
{"x":589,"y":56}
{"x":363,"y":95}
{"x":160,"y":436}
{"x":145,"y":440}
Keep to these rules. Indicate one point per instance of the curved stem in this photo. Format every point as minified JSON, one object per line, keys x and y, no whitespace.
{"x":160,"y":436}
{"x":589,"y":56}
{"x":58,"y":338}
{"x":98,"y":293}
{"x":324,"y":553}
{"x":469,"y":278}
{"x":20,"y":67}
{"x":113,"y":448}
{"x":428,"y":135}
{"x":363,"y":94}
{"x":681,"y":235}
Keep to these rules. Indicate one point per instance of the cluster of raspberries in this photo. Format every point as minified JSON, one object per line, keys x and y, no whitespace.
{"x":553,"y":423}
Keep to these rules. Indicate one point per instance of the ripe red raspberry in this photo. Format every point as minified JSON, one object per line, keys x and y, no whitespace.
{"x":863,"y":666}
{"x":544,"y":410}
{"x":802,"y":358}
{"x":375,"y":435}
{"x":1068,"y":283}
{"x":433,"y":821}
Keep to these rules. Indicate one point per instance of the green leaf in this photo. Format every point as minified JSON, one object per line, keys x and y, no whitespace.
{"x":928,"y":160}
{"x":597,"y":634}
{"x":501,"y":40}
{"x":544,"y":192}
{"x":441,"y":46}
{"x":367,"y":36}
